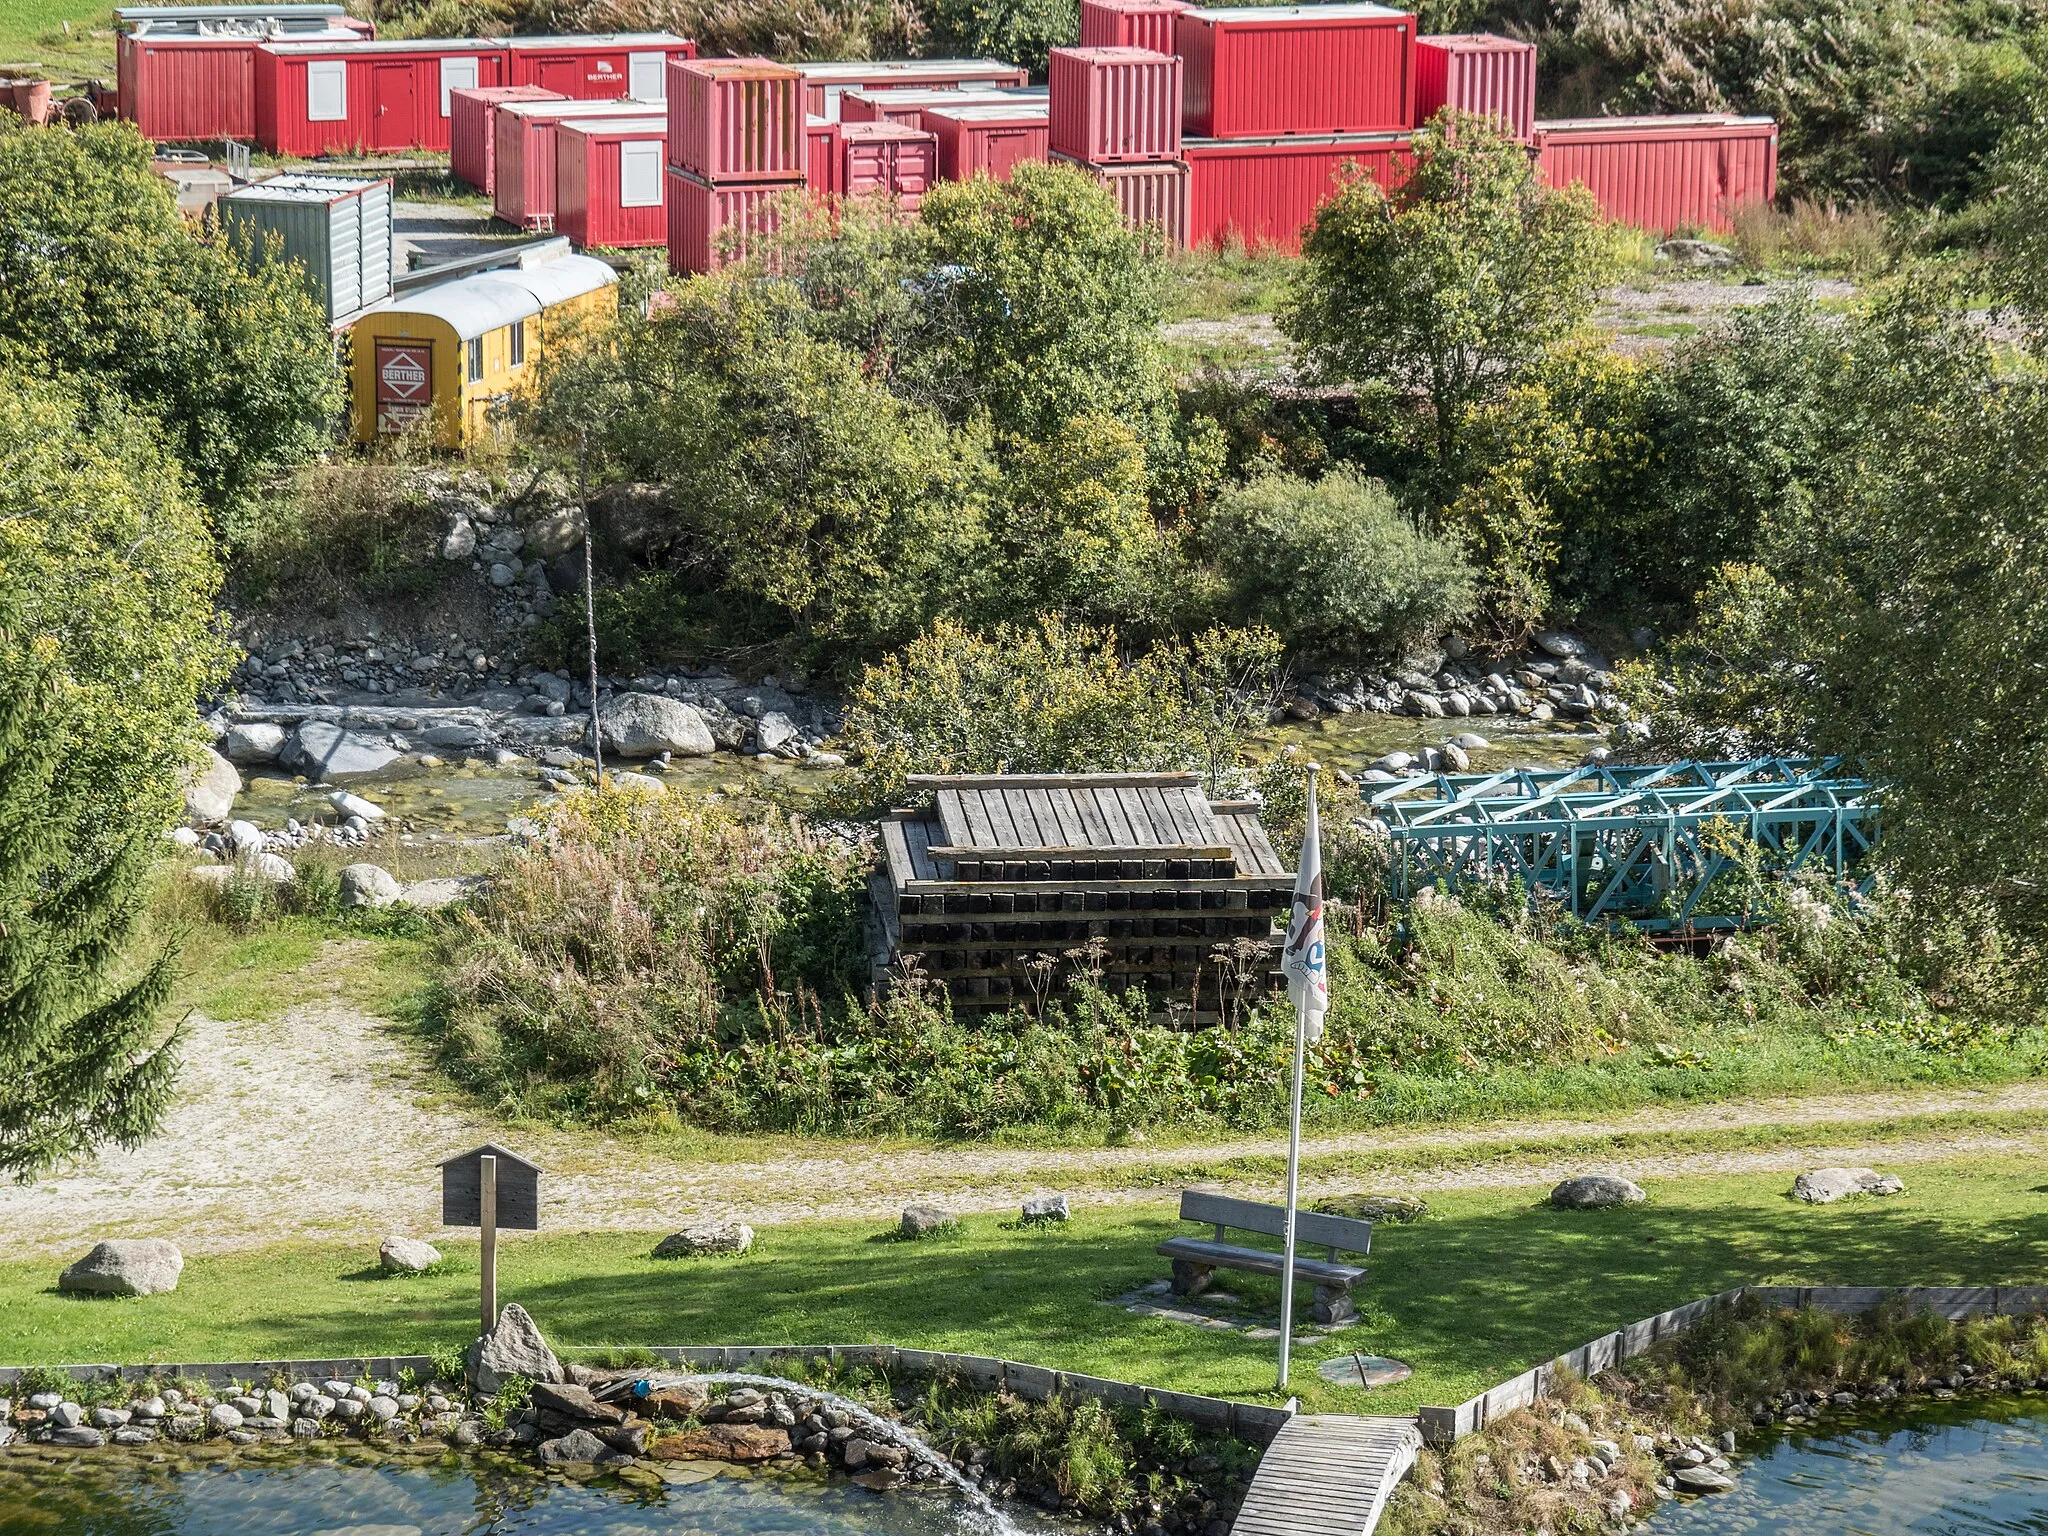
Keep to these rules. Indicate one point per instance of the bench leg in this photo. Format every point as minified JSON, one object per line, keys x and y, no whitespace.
{"x":1333,"y":1305}
{"x":1191,"y":1279}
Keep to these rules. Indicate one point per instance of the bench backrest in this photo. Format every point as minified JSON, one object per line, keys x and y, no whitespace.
{"x":1344,"y":1233}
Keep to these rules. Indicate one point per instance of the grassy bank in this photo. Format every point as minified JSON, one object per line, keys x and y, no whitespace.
{"x":1485,"y":1284}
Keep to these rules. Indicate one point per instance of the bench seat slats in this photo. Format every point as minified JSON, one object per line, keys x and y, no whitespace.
{"x":1345,"y":1233}
{"x":1199,"y":1250}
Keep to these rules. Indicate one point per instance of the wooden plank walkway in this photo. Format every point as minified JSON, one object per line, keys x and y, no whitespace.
{"x":1328,"y":1474}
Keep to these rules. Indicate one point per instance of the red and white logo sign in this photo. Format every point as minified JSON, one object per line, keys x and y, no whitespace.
{"x":405,"y":383}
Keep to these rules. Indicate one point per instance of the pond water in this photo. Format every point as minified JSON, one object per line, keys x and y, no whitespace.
{"x":1952,"y":1469}
{"x":311,"y":1492}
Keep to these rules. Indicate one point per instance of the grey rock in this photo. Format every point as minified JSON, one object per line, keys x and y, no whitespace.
{"x":1046,"y":1208}
{"x":211,"y":788}
{"x":555,"y":689}
{"x":110,"y":1418}
{"x":469,"y":1432}
{"x":149,"y":1408}
{"x":349,"y":1410}
{"x":1694,"y":253}
{"x":513,"y":1348}
{"x":222,"y":1417}
{"x":703,"y":1237}
{"x":276,"y":1406}
{"x":555,"y":534}
{"x":67,"y":1416}
{"x":502,"y":575}
{"x":1701,"y":1480}
{"x":459,"y":542}
{"x":322,"y":750}
{"x":1454,"y":758}
{"x":1595,"y":1190}
{"x":407,"y":1255}
{"x":369,"y":885}
{"x":317,"y":1407}
{"x":924,"y":1220}
{"x":271,"y":868}
{"x":305,"y":1429}
{"x":134,"y":1434}
{"x":383,"y":1409}
{"x":440,"y":891}
{"x":643,"y":783}
{"x":45,"y":1401}
{"x":579,"y":1445}
{"x":1471,"y":741}
{"x":1392,"y":762}
{"x":634,"y":516}
{"x":185,"y":1426}
{"x":79,"y":1436}
{"x":254,"y":741}
{"x":639,"y":725}
{"x":1556,"y":643}
{"x":243,"y":1437}
{"x":348,"y":805}
{"x":135,"y":1266}
{"x":1426,"y":705}
{"x":774,"y":731}
{"x":1824,"y":1186}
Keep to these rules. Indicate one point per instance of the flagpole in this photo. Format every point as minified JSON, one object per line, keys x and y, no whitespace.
{"x":1294,"y":1143}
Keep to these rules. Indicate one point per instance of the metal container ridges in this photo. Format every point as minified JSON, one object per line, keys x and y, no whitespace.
{"x":1115,"y":105}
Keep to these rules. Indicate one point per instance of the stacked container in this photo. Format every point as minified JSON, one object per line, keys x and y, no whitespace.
{"x":609,"y":182}
{"x":890,"y":160}
{"x":1115,"y":106}
{"x":821,"y":156}
{"x":824,"y":83}
{"x":181,"y":85}
{"x":908,"y":107}
{"x":989,"y":138}
{"x":473,"y":129}
{"x":1151,"y":194}
{"x":1264,"y":192}
{"x":523,"y":180}
{"x":336,"y":229}
{"x":322,"y":98}
{"x":1129,"y":24}
{"x":1664,"y":174}
{"x":1261,"y":71}
{"x":1478,"y":73}
{"x":737,"y":141}
{"x":598,"y":67}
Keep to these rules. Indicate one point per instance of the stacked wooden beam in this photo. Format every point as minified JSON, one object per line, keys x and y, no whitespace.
{"x":1003,"y":873}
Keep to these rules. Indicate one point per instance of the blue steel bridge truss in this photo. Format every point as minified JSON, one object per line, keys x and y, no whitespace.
{"x":1640,"y":843}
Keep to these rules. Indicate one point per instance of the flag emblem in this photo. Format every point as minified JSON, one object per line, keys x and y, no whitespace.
{"x":1302,"y":961}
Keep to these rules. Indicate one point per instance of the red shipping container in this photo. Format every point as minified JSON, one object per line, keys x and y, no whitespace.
{"x":523,"y":184}
{"x":1664,"y":174}
{"x":735,"y":119}
{"x":597,"y":67}
{"x":609,"y":181}
{"x":908,"y":107}
{"x":824,"y":83}
{"x":988,"y":140}
{"x":1478,"y":73}
{"x":473,"y":128}
{"x":1153,"y":194}
{"x":177,"y":87}
{"x":1115,"y":105}
{"x":887,"y":159}
{"x":711,"y":224}
{"x":821,"y":156}
{"x":1129,"y":23}
{"x":1264,"y":192}
{"x":315,"y":98}
{"x":1255,"y":72}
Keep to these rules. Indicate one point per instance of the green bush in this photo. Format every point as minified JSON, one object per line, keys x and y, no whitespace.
{"x":1334,"y":565}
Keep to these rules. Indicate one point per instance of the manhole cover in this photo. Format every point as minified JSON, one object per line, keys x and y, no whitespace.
{"x":1363,"y":1371}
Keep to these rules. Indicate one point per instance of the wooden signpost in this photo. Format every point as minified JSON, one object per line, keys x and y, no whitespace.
{"x":490,"y":1188}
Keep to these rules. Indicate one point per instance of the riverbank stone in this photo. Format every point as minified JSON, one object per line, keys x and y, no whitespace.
{"x":1595,"y":1191}
{"x":407,"y":1255}
{"x":513,"y":1348}
{"x":322,"y":750}
{"x":369,"y":885}
{"x":703,"y":1237}
{"x":134,"y":1266}
{"x":1824,"y":1186}
{"x":252,"y":741}
{"x":210,"y":791}
{"x":640,"y":725}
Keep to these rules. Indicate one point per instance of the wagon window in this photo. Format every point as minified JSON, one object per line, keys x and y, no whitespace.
{"x":475,"y":359}
{"x":515,"y":345}
{"x":640,"y":174}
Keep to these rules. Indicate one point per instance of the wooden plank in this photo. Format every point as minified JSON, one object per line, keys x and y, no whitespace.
{"x":1050,"y":828}
{"x":1345,"y":1232}
{"x":1083,"y":887}
{"x":1103,"y":803}
{"x":974,"y":814}
{"x":1133,"y":806}
{"x":1067,"y":812}
{"x":1154,"y":801}
{"x":1258,"y":1261}
{"x":917,"y":836}
{"x":1191,"y":814}
{"x":994,"y":807}
{"x":953,"y":817}
{"x":943,"y":781}
{"x":896,"y":849}
{"x":1068,"y":853}
{"x":1017,"y":806}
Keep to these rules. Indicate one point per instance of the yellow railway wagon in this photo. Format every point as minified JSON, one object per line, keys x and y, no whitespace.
{"x":444,"y":355}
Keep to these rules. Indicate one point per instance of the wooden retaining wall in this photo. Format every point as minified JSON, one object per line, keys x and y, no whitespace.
{"x":1444,"y":1426}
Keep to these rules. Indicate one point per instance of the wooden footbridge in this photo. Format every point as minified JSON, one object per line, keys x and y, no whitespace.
{"x":1328,"y":1474}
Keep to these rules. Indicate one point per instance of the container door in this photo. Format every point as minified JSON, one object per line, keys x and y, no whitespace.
{"x":393,"y":107}
{"x":640,"y":174}
{"x":456,"y":75}
{"x":326,"y":90}
{"x":1006,"y":149}
{"x":866,"y":168}
{"x":647,"y":76}
{"x":561,"y":75}
{"x":344,"y":257}
{"x":405,"y":384}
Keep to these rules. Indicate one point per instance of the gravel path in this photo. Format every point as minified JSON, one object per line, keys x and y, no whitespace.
{"x":324,"y":1125}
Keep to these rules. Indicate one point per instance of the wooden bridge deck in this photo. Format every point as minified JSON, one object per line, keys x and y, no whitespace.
{"x":1328,"y":1474}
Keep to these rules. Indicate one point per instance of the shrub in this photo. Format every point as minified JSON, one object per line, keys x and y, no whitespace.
{"x":1334,"y":565}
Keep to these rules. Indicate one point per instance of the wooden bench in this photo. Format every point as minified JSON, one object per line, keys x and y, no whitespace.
{"x":1195,"y":1259}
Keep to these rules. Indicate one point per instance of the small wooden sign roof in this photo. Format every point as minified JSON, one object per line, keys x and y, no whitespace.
{"x":518,"y":1190}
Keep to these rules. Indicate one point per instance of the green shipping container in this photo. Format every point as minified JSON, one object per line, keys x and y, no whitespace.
{"x":337,"y":228}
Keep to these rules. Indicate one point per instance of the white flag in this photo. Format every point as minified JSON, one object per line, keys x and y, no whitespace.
{"x":1303,"y":962}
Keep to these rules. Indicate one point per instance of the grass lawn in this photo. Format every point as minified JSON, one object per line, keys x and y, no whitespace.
{"x":1485,"y":1285}
{"x":32,"y":36}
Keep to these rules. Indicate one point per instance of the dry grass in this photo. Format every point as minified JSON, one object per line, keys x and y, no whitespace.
{"x":1857,"y":241}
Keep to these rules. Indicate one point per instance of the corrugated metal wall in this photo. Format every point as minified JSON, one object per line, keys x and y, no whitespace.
{"x":735,"y":118}
{"x":710,"y":225}
{"x":1129,"y":24}
{"x":1264,"y":192}
{"x":1477,"y":73}
{"x":1111,"y":105}
{"x":1664,"y":177}
{"x":1299,"y":74}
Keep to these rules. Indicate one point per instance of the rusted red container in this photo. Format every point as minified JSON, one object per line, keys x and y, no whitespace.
{"x":322,"y":98}
{"x":1264,"y":192}
{"x":713,"y":223}
{"x":1476,"y":72}
{"x":1112,"y":106}
{"x":523,"y":182}
{"x":599,"y":66}
{"x":824,"y":83}
{"x":1258,"y":71}
{"x":821,"y":156}
{"x":609,"y":181}
{"x":988,"y":139}
{"x":473,"y":128}
{"x":887,"y":159}
{"x":1664,"y":174}
{"x":175,"y":87}
{"x":1153,"y":194}
{"x":735,"y":119}
{"x":1129,"y":24}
